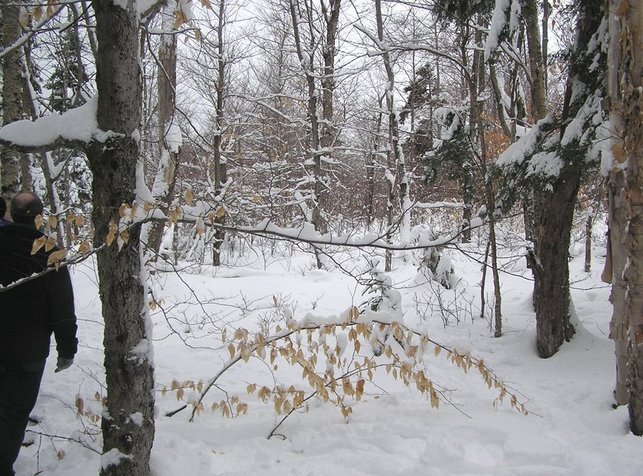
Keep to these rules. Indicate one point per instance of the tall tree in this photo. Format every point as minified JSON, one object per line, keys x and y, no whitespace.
{"x":552,"y":157}
{"x":220,"y":162}
{"x":128,"y":420}
{"x":315,"y":31}
{"x":626,"y":202}
{"x":396,"y":175}
{"x":328,"y":133}
{"x":168,"y":130}
{"x":555,"y":208}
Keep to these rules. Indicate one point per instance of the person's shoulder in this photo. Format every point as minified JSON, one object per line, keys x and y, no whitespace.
{"x":18,"y":238}
{"x":21,"y":231}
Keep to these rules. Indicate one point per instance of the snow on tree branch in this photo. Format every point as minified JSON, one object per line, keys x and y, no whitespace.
{"x":73,"y":129}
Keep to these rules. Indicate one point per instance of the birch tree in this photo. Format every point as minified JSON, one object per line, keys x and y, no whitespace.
{"x":169,"y":133}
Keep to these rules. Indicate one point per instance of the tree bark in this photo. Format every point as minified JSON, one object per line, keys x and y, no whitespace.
{"x":536,"y":63}
{"x":128,"y":420}
{"x":549,"y":261}
{"x":613,"y":273}
{"x":626,"y":213}
{"x":12,"y":100}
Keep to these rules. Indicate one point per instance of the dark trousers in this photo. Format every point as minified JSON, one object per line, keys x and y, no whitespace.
{"x":19,"y":385}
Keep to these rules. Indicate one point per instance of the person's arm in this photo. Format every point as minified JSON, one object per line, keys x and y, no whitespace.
{"x":62,"y":316}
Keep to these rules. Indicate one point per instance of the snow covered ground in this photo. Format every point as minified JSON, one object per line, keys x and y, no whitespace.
{"x":571,"y":428}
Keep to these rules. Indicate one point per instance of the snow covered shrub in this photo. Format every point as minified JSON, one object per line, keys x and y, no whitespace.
{"x":435,"y":265}
{"x":385,"y":301}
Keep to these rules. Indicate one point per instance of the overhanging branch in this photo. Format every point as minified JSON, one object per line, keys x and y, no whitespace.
{"x":60,"y":142}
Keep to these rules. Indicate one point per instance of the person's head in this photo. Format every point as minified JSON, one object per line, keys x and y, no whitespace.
{"x":3,"y":207}
{"x":25,"y":207}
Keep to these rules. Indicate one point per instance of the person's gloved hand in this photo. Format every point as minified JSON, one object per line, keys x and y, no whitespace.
{"x":62,"y":363}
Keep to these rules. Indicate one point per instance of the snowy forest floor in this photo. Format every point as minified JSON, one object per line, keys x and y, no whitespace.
{"x":571,"y":428}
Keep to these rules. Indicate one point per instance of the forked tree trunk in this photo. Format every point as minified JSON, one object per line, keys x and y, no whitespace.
{"x":128,"y":420}
{"x":554,"y":209}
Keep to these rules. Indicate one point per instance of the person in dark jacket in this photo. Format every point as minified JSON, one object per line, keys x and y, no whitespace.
{"x":3,"y":212}
{"x":37,"y":300}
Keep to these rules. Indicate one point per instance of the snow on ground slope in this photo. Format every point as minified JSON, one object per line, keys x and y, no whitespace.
{"x":571,"y":428}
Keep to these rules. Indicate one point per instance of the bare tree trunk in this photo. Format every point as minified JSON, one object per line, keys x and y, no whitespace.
{"x":617,"y":219}
{"x":165,"y":181}
{"x":545,"y":41}
{"x":483,"y":281}
{"x":127,"y":339}
{"x":614,"y":265}
{"x":328,"y":83}
{"x":476,"y":108}
{"x":626,"y":214}
{"x":12,"y":95}
{"x":536,"y":64}
{"x":307,"y":62}
{"x":397,"y":178}
{"x":372,"y":164}
{"x":589,"y":223}
{"x":538,"y":72}
{"x":220,"y":165}
{"x":549,"y":262}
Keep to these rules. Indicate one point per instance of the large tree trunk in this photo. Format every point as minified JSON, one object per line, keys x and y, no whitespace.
{"x":554,"y":209}
{"x":613,"y":273}
{"x":549,"y":262}
{"x":12,"y":96}
{"x":626,"y":207}
{"x":128,"y":421}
